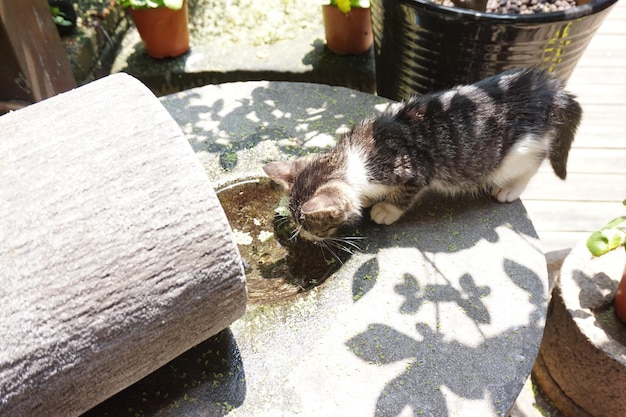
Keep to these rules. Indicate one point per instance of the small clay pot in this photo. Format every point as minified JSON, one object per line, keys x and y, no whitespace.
{"x":347,"y":33}
{"x":620,"y":298}
{"x":164,"y":32}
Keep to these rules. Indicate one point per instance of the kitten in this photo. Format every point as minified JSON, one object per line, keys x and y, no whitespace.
{"x":488,"y":136}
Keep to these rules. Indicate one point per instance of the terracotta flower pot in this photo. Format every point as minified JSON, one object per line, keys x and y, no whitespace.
{"x":620,"y":298}
{"x":347,"y":33}
{"x":164,"y":32}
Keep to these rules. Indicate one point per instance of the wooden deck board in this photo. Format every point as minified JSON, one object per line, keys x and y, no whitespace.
{"x":565,"y":212}
{"x":596,"y":161}
{"x":573,"y":216}
{"x":578,"y":187}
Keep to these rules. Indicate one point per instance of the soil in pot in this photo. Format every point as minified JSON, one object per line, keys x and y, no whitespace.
{"x":277,"y":265}
{"x":512,"y":6}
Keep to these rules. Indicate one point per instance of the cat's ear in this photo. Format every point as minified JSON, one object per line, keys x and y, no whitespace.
{"x":283,"y":172}
{"x":324,"y":204}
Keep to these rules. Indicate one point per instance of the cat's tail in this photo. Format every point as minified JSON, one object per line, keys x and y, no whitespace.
{"x":567,"y":114}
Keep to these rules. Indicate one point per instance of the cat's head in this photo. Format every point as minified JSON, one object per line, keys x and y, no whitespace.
{"x":320,"y":200}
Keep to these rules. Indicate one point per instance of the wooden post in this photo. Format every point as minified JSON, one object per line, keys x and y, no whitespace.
{"x":34,"y":64}
{"x":115,"y":253}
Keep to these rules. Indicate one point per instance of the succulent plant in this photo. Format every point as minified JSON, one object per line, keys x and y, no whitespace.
{"x":151,"y":4}
{"x":346,"y":5}
{"x":611,"y":236}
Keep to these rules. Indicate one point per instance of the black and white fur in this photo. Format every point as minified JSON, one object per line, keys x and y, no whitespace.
{"x":489,"y":136}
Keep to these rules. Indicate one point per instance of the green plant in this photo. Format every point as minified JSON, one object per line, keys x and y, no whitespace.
{"x":59,"y":17}
{"x":611,"y":236}
{"x":346,"y":5}
{"x":151,"y":4}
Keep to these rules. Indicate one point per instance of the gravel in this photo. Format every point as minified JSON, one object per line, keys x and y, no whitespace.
{"x":263,"y":22}
{"x":528,"y":6}
{"x":517,"y":7}
{"x":255,"y":22}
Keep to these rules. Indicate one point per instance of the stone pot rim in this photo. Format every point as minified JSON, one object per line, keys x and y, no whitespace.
{"x":457,"y":13}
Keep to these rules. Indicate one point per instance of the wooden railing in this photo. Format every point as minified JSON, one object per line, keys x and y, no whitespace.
{"x":33,"y":63}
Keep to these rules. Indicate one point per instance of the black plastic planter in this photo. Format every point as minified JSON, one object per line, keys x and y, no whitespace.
{"x":422,"y":47}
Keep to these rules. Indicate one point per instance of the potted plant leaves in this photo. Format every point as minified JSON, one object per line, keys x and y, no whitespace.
{"x":63,"y":15}
{"x":610,"y":237}
{"x":348,"y":26}
{"x":162,"y":24}
{"x":423,"y":46}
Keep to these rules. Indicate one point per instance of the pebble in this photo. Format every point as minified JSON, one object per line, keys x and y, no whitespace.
{"x":528,"y":6}
{"x":521,"y":6}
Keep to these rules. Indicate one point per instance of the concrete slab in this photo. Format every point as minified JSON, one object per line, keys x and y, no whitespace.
{"x":303,"y":58}
{"x":439,"y":314}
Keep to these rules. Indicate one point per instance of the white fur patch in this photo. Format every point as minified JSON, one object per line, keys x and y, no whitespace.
{"x":504,"y":83}
{"x":519,"y":166}
{"x":446,"y":98}
{"x":357,"y":176}
{"x":385,"y":213}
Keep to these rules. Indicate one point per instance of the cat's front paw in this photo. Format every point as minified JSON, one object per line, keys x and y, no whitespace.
{"x":385,"y":213}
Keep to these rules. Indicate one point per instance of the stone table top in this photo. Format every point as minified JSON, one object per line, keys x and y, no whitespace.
{"x":441,"y":313}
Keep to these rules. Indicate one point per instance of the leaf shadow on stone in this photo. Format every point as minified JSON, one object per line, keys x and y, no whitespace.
{"x":438,"y":363}
{"x":435,"y":362}
{"x":598,"y":290}
{"x":364,"y":279}
{"x":285,"y":116}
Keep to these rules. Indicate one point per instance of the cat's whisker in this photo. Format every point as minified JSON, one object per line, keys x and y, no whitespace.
{"x":323,"y":244}
{"x":343,"y":248}
{"x":345,"y":244}
{"x":296,"y":233}
{"x":352,"y":244}
{"x":282,"y":221}
{"x":354,"y":237}
{"x":347,"y":249}
{"x":336,"y":243}
{"x":323,"y":254}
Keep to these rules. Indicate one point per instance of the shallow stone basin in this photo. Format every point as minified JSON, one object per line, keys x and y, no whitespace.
{"x":277,"y":263}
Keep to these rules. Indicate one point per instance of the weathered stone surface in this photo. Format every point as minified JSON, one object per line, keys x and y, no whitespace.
{"x":440,"y":314}
{"x":582,"y":361}
{"x":115,"y":254}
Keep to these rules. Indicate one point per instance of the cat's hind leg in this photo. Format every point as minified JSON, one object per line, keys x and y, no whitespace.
{"x":512,"y":190}
{"x":520,"y":164}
